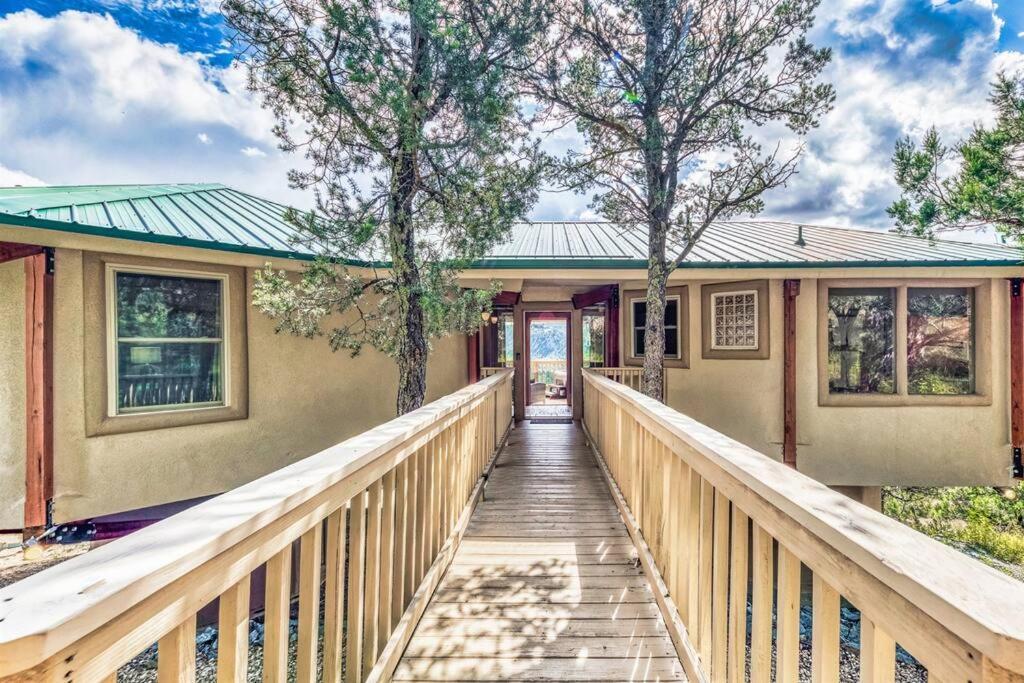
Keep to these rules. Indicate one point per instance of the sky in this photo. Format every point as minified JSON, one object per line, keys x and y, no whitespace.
{"x":148,"y":91}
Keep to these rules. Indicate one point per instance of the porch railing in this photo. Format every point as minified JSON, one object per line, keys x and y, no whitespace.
{"x":376,"y":518}
{"x":632,"y":377}
{"x":720,"y":525}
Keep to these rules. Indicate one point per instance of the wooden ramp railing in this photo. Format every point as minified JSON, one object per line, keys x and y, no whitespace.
{"x":632,"y":376}
{"x":377,"y":518}
{"x":723,"y":529}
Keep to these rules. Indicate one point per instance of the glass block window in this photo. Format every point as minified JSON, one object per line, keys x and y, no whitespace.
{"x":735,"y":321}
{"x":167,"y":343}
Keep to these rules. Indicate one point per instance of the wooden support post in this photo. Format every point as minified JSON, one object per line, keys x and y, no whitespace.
{"x":1017,"y":376}
{"x":39,"y":390}
{"x":611,"y":334}
{"x":790,"y":291}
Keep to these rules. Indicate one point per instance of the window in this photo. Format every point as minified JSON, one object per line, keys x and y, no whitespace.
{"x":904,"y":342}
{"x":861,"y":341}
{"x":940,"y":341}
{"x":735,"y":321}
{"x":676,"y":326}
{"x":593,"y":336}
{"x":167,"y":343}
{"x":671,"y":327}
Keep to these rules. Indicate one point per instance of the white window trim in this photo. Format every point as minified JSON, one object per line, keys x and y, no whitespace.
{"x":677,"y":328}
{"x":757,"y":318}
{"x":112,"y":269}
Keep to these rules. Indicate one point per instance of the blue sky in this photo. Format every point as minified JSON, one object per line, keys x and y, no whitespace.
{"x":109,"y":91}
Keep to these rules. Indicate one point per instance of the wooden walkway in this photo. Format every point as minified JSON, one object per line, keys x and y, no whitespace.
{"x":544,"y":586}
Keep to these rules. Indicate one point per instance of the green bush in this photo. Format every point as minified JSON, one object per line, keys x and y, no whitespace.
{"x":986,"y":519}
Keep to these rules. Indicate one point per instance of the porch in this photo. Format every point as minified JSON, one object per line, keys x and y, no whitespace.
{"x":442,"y":546}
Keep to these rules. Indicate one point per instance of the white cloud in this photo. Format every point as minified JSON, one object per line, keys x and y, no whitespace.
{"x":204,"y":138}
{"x":10,"y":177}
{"x":846,"y":175}
{"x":85,"y":100}
{"x":253,"y":152}
{"x":204,"y":7}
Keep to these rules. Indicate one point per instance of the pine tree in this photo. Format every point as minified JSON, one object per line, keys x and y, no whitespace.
{"x":664,"y":92}
{"x":987,"y":188}
{"x":407,"y":115}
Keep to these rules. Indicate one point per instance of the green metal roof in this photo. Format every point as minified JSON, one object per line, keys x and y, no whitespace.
{"x":213,"y":216}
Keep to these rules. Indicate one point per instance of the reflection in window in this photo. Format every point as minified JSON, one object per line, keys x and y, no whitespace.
{"x":506,"y":356}
{"x":861,"y":341}
{"x":940,"y":341}
{"x":671,"y":327}
{"x":170,"y":338}
{"x":593,"y":337}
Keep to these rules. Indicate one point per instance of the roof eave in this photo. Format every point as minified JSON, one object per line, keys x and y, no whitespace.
{"x":500,"y":263}
{"x":156,"y":238}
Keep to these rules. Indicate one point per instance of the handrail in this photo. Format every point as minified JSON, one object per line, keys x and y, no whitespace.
{"x":632,"y":377}
{"x":698,"y":498}
{"x":395,"y":492}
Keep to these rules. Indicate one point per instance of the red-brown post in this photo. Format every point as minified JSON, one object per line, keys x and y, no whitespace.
{"x":1017,"y":375}
{"x":790,"y":290}
{"x":39,"y":389}
{"x":612,"y":329}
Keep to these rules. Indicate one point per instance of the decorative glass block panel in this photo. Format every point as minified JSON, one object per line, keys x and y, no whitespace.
{"x":861,"y":341}
{"x":735,"y":321}
{"x":169,"y":342}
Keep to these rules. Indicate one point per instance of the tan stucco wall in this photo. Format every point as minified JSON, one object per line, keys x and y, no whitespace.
{"x":302,"y":398}
{"x":847,"y":445}
{"x":741,"y":398}
{"x":907,"y":445}
{"x":12,"y":394}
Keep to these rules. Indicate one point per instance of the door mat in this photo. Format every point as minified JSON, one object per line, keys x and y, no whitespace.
{"x":551,"y":420}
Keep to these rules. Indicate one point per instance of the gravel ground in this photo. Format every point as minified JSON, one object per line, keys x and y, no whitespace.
{"x":142,"y":669}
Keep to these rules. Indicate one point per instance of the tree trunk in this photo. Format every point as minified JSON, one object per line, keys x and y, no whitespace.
{"x":411,"y":350}
{"x":653,"y":380}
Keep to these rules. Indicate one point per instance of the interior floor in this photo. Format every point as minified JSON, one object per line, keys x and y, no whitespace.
{"x":561,"y":409}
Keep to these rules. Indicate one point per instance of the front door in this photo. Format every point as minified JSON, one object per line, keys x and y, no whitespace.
{"x":547,"y":380}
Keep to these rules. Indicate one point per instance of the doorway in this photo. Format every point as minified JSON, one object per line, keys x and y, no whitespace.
{"x":548,"y":390}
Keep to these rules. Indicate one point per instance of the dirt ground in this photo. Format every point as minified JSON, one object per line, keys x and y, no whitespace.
{"x":14,"y":567}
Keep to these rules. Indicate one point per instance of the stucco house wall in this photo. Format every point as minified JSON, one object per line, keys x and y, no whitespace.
{"x":302,"y":398}
{"x":925,"y":445}
{"x":12,"y":394}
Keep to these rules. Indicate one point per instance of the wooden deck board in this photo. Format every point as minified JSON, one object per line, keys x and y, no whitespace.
{"x":545,"y":584}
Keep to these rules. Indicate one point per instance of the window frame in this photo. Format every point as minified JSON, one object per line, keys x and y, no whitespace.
{"x":95,"y":301}
{"x":762,"y":310}
{"x":681,"y":294}
{"x":739,"y":292}
{"x":981,"y":334}
{"x":113,"y":340}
